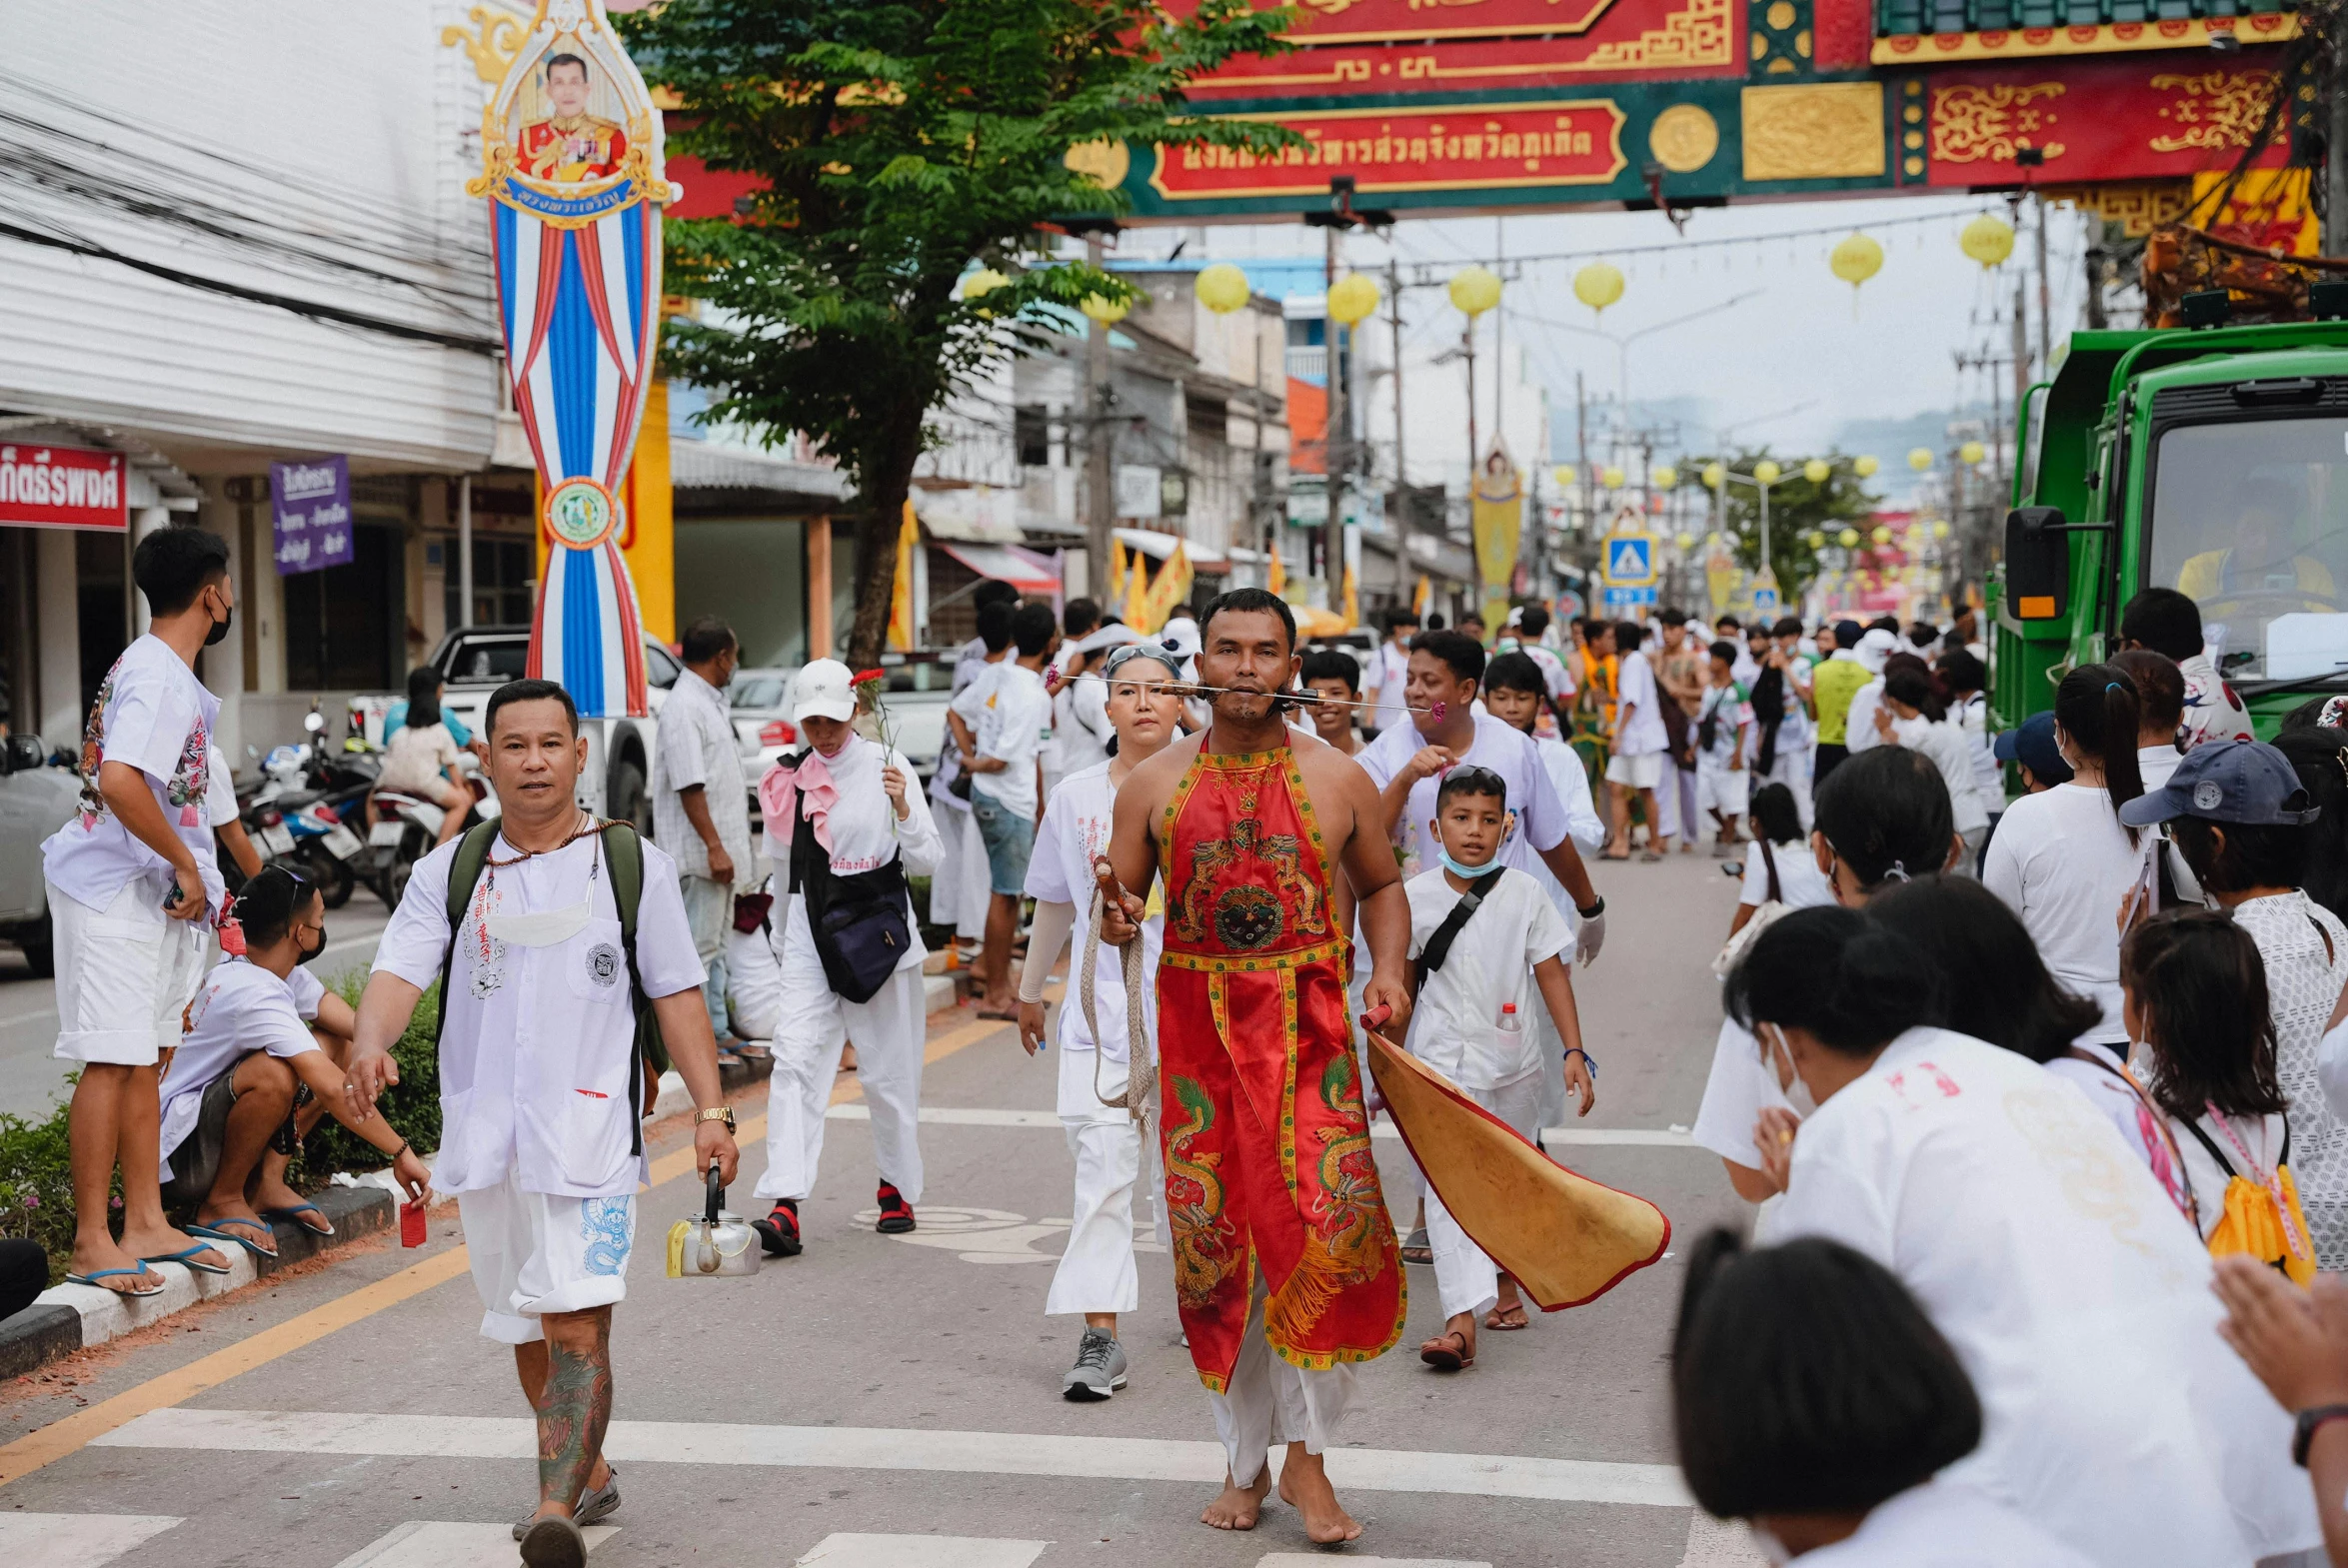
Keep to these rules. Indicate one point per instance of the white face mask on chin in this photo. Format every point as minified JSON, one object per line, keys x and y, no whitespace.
{"x":1780,"y":1058}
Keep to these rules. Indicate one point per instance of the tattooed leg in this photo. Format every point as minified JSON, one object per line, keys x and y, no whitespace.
{"x":530,"y":1365}
{"x":574,"y":1405}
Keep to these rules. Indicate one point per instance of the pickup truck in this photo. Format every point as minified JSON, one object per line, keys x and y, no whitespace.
{"x":476,"y":660}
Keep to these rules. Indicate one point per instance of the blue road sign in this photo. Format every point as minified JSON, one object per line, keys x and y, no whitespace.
{"x":1618,"y":599}
{"x":1631,"y":560}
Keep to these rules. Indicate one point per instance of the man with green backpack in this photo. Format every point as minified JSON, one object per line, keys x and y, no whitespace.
{"x":568,"y":980}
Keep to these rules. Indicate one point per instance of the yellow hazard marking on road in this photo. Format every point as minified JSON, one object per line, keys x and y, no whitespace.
{"x":74,"y":1432}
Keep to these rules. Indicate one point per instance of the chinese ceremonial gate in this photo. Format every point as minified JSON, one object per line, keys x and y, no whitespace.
{"x":1436,"y":106}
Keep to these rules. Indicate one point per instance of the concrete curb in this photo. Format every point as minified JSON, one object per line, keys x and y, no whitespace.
{"x":66,"y":1319}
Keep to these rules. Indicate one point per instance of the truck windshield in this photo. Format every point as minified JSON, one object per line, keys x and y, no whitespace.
{"x":2250,"y":519}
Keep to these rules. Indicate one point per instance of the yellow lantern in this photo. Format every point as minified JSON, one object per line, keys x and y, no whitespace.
{"x":1103,"y":309}
{"x":1817,"y":470}
{"x":1474,"y":291}
{"x":1688,"y":542}
{"x":1564,"y":474}
{"x":1353,"y":297}
{"x":1855,"y":261}
{"x":1599,"y":285}
{"x":1864,"y":467}
{"x":1663,"y":476}
{"x":982,"y":283}
{"x":1972,"y":452}
{"x":1814,"y":539}
{"x":1848,"y":539}
{"x":1881,"y":535}
{"x":1988,"y":239}
{"x":1940,"y":530}
{"x":1767,"y":471}
{"x":1613,"y":477}
{"x":1714,"y":476}
{"x":1222,"y":287}
{"x":1920,"y":459}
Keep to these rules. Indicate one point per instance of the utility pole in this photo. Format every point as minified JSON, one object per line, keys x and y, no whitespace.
{"x":1337,"y":442}
{"x":1589,"y":498}
{"x":2336,"y":149}
{"x":2045,"y":300}
{"x":1100,"y":448}
{"x":1499,"y":347}
{"x":1395,"y":315}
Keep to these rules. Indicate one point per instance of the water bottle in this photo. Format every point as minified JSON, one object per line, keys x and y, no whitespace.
{"x":1508,"y":1023}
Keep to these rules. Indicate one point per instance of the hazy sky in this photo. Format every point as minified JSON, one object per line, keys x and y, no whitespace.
{"x":1795,"y":344}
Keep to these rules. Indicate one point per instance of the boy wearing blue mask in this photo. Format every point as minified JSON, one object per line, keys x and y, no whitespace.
{"x":1480,"y":931}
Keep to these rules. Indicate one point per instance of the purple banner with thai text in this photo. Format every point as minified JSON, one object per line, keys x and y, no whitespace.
{"x":311,"y":505}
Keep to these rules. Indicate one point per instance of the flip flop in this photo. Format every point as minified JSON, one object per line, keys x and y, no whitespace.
{"x":293,"y":1215}
{"x":188,"y":1257}
{"x":216,"y":1233}
{"x":1438,"y":1353}
{"x":1494,"y":1319}
{"x":999,"y":1017}
{"x":96,"y":1274}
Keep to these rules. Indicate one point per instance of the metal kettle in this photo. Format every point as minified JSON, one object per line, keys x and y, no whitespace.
{"x":713,"y":1243}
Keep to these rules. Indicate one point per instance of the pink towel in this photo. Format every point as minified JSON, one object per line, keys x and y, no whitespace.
{"x":779,"y":794}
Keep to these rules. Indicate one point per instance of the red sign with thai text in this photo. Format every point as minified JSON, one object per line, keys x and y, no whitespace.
{"x":1567,"y":142}
{"x":2144,"y":117}
{"x":1675,"y":39}
{"x":62,"y":487}
{"x":1358,"y":21}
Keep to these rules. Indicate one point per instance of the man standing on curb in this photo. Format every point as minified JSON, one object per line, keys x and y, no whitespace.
{"x":564,"y":926}
{"x":700,"y":807}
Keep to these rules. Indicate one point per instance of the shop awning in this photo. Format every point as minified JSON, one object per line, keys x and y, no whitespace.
{"x":1157,"y":546}
{"x":1023,"y":570}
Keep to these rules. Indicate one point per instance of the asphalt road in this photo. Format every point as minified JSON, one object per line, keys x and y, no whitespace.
{"x":882,"y":1388}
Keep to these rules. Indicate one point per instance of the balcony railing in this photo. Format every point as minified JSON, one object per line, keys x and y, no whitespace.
{"x":1903,"y":17}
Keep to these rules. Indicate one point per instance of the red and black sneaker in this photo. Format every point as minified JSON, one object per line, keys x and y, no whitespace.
{"x":897,"y":1215}
{"x":779,"y":1232}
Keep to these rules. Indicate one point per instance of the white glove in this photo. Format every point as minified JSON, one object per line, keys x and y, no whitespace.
{"x":1591,"y":939}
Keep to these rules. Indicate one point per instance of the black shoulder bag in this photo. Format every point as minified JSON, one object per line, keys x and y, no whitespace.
{"x":1439,"y":945}
{"x":859,"y":921}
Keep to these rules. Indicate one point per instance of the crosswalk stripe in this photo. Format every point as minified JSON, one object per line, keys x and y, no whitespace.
{"x":849,"y":1550}
{"x":76,"y":1540}
{"x":437,"y":1543}
{"x":892,"y":1449}
{"x":978,"y":1116}
{"x":1719,"y":1543}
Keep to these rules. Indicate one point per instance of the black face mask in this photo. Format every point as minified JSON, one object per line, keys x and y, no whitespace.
{"x":307,"y":953}
{"x":219,"y":632}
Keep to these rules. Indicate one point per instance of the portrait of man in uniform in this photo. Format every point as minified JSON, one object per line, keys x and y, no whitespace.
{"x":569,"y":146}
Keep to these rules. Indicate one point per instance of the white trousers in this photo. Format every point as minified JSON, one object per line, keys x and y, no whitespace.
{"x":125,"y":975}
{"x":953,"y":821}
{"x":754,"y":984}
{"x":1269,"y":1401}
{"x":1097,"y":1271}
{"x":976,"y":881}
{"x":890,"y":1034}
{"x":1466,"y":1278}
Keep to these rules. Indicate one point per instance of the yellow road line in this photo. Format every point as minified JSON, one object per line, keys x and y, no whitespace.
{"x":69,"y":1435}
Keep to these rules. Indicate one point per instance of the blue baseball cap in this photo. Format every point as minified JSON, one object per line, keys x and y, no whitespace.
{"x":2032,"y":744}
{"x":2245,"y":782}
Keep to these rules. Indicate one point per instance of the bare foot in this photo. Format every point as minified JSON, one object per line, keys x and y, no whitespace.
{"x":270,"y":1192}
{"x":164,"y":1240}
{"x":1238,"y":1508}
{"x":106,"y":1255}
{"x":1305,"y":1488}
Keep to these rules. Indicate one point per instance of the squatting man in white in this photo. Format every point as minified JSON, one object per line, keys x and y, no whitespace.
{"x":542,"y":1086}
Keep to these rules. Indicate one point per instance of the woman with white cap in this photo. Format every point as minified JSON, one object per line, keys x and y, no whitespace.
{"x":845,"y":826}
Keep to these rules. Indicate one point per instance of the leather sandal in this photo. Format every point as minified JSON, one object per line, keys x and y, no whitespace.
{"x":1438,"y":1353}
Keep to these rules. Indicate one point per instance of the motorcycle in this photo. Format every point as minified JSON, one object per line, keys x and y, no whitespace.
{"x":298,"y":814}
{"x":407,"y":828}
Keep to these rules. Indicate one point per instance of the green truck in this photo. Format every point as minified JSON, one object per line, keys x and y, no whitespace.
{"x":2211,"y":460}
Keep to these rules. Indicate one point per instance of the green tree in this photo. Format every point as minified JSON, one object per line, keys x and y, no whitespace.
{"x":899,"y":141}
{"x":1796,"y":508}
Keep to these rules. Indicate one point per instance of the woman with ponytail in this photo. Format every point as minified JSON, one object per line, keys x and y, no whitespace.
{"x":2062,"y":860}
{"x":2086,"y":1324}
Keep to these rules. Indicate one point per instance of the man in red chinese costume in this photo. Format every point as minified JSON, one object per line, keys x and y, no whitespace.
{"x":1284,"y":1263}
{"x":572,"y":145}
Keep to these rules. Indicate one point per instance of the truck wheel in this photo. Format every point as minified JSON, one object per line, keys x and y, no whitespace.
{"x":628,"y":801}
{"x":39,"y":944}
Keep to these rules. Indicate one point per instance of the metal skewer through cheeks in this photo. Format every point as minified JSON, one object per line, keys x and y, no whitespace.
{"x":1192,"y":689}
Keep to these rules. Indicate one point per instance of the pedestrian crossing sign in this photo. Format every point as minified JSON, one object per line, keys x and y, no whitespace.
{"x":1631,"y":560}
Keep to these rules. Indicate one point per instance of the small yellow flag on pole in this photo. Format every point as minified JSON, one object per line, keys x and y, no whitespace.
{"x":1169,"y":588}
{"x":1137,"y":612}
{"x":901,"y":604}
{"x":1275,"y":578}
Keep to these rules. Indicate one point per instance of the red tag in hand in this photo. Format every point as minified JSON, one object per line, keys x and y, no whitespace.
{"x":411,"y":1224}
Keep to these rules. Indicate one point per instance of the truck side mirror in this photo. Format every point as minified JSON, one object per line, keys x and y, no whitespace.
{"x":2038,"y":564}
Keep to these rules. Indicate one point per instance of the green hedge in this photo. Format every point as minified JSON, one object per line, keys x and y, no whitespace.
{"x":36,"y":1185}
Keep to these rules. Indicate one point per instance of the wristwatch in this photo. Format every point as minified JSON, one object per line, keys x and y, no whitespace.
{"x":724,"y":1113}
{"x":1593,"y":912}
{"x":2305,"y":1427}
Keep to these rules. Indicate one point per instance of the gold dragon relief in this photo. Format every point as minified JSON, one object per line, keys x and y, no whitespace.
{"x":1815,"y":131}
{"x":1976,"y":122}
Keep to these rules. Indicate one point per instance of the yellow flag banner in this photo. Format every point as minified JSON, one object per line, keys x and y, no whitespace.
{"x":1276,"y":578}
{"x":1137,"y":591}
{"x":1421,"y":596}
{"x":901,"y":604}
{"x":1497,"y":517}
{"x":1171,"y":587}
{"x":1566,"y":1238}
{"x":1353,"y":602}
